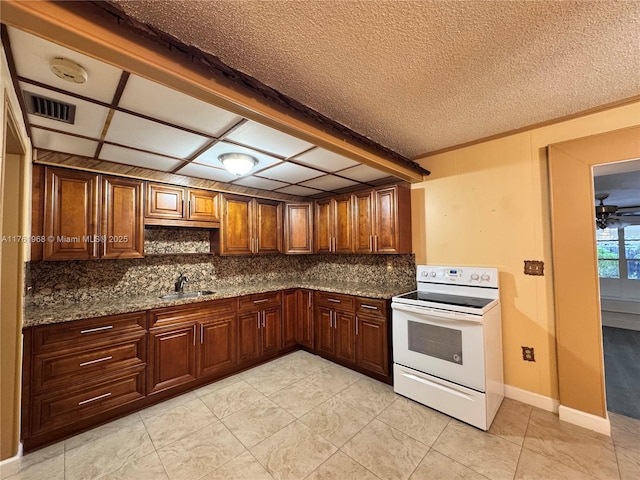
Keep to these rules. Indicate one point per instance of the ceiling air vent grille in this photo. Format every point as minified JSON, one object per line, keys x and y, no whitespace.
{"x":50,"y":108}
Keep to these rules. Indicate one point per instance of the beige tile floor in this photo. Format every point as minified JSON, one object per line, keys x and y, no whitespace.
{"x":302,"y":417}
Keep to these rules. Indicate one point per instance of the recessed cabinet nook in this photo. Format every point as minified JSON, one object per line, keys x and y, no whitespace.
{"x":81,"y":215}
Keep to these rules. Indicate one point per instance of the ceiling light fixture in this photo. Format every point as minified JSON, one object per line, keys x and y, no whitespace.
{"x":238,"y":163}
{"x":603,"y":212}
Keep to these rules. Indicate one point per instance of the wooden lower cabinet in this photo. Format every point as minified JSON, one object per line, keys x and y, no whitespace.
{"x":190,"y":342}
{"x":172,"y":356}
{"x":305,"y":323}
{"x":259,"y":327}
{"x":217,"y":351}
{"x":81,"y":373}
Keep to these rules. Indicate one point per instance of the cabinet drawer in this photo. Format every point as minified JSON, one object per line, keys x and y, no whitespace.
{"x":335,"y":301}
{"x":258,"y":301}
{"x":371,"y":306}
{"x":58,"y":409}
{"x":80,"y":332}
{"x":192,"y":312}
{"x":54,"y":369}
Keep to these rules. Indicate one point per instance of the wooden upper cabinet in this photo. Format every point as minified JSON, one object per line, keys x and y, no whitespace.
{"x":203,"y":206}
{"x":249,"y":226}
{"x":70,"y":215}
{"x":382,"y":220}
{"x":176,"y":206}
{"x":298,"y":228}
{"x":268,"y":226}
{"x":333,"y":225}
{"x":122,"y":234}
{"x":323,"y":231}
{"x":363,"y":220}
{"x":164,"y":201}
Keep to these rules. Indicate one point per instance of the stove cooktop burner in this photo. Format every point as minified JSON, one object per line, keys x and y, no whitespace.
{"x":443,"y":298}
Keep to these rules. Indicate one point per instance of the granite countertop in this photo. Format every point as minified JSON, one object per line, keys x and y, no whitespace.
{"x":65,"y":312}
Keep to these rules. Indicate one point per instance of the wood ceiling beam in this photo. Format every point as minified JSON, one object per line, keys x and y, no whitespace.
{"x":83,"y":28}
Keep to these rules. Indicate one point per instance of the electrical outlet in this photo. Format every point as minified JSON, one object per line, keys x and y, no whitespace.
{"x":389,"y":265}
{"x":528,"y":354}
{"x":534,"y":267}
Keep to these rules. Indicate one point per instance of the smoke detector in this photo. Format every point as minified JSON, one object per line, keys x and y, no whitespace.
{"x":68,"y":70}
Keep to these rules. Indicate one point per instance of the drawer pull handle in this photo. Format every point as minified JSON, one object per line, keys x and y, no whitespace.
{"x":104,"y":395}
{"x":261,"y":301}
{"x":370,"y":307}
{"x":333,"y":300}
{"x":97,"y":360}
{"x":97,"y":329}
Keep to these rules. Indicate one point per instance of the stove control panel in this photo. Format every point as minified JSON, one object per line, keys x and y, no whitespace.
{"x":470,"y":276}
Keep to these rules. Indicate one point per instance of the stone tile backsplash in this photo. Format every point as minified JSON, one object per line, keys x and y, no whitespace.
{"x":53,"y":282}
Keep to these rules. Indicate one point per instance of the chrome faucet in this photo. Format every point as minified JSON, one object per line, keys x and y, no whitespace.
{"x":180,"y":283}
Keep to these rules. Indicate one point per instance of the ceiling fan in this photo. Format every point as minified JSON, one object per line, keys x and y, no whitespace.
{"x":612,"y":216}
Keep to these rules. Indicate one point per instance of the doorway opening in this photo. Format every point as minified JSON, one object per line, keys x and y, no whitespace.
{"x":617,"y":200}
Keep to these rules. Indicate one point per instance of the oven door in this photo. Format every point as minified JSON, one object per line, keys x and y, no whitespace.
{"x":444,"y":344}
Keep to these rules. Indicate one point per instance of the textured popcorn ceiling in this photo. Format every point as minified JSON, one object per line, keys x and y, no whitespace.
{"x":421,"y":76}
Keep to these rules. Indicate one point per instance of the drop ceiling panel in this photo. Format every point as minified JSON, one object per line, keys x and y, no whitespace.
{"x":210,"y":173}
{"x":89,"y":119}
{"x":210,"y":157}
{"x":138,"y":132}
{"x":325,"y":160}
{"x":363,"y":173}
{"x":255,"y":135}
{"x":329,"y":182}
{"x":31,"y":55}
{"x":59,"y":142}
{"x":154,"y":100}
{"x":257,"y":182}
{"x":290,"y":172}
{"x":139,"y":159}
{"x":298,"y":190}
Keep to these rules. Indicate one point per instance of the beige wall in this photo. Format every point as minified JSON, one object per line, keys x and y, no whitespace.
{"x":488,"y":204}
{"x":14,"y":218}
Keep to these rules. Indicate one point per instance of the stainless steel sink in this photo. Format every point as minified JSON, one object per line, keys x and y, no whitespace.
{"x":178,"y":296}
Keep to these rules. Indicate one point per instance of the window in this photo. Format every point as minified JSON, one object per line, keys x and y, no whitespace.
{"x":619,"y":252}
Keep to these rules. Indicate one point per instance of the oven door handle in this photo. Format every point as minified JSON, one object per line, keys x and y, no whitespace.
{"x":436,"y":315}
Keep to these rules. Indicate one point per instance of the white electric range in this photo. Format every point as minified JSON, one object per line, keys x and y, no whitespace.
{"x":447,"y":342}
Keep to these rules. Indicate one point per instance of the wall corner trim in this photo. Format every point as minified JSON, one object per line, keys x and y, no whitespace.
{"x":545,"y":403}
{"x":11,"y":466}
{"x":585,"y":420}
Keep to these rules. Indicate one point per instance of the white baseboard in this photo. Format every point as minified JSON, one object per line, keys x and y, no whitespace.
{"x":545,"y":403}
{"x":11,"y":466}
{"x":585,"y":420}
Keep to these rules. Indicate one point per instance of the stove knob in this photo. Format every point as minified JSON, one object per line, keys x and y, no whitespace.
{"x":475,"y":276}
{"x":485,"y":277}
{"x":433,"y":274}
{"x":424,"y":274}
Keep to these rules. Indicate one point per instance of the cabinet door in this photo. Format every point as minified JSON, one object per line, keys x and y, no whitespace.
{"x":363,"y":218}
{"x":122,"y":234}
{"x":289,"y":318}
{"x":271,"y":328}
{"x":203,"y":206}
{"x":172,"y":356}
{"x":164,"y":201}
{"x":324,"y":330}
{"x":71,"y":215}
{"x":236,"y":226}
{"x":268,"y":227}
{"x":345,"y":336}
{"x":323,"y":231}
{"x":371,"y":344}
{"x":217,"y":350}
{"x":298,"y":228}
{"x":305,"y":318}
{"x":249,"y":341}
{"x":343,"y":231}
